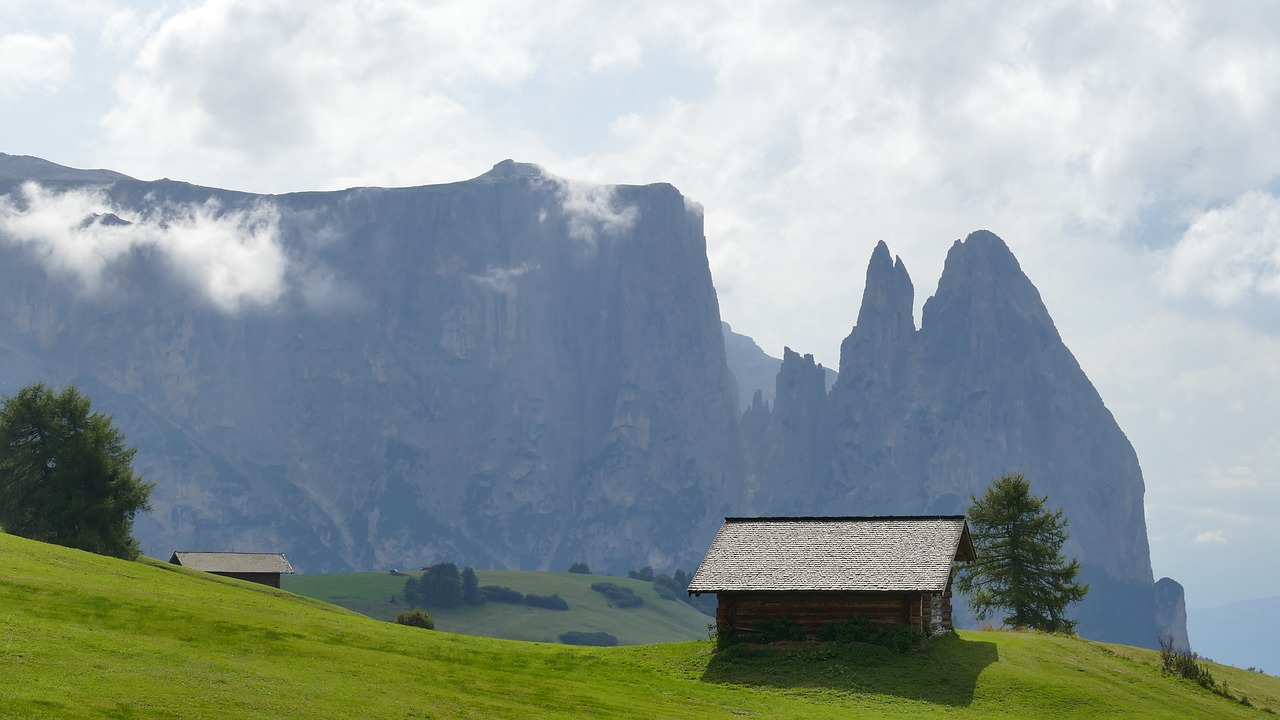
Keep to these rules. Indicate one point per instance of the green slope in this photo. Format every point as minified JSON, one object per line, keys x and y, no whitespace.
{"x":88,"y":637}
{"x":656,"y":621}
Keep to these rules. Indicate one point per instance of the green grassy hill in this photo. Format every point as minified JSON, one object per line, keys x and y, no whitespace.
{"x":656,"y":621}
{"x":83,"y":636}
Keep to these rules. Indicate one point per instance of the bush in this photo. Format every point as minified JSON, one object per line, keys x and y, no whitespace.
{"x":621,"y":597}
{"x":546,"y":602}
{"x":774,"y":630}
{"x":502,"y":594}
{"x":855,"y":629}
{"x":1183,"y":663}
{"x":595,"y":639}
{"x":416,"y":618}
{"x":580,"y":568}
{"x":668,"y":589}
{"x":858,"y":629}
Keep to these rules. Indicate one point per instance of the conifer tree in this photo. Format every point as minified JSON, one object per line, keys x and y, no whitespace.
{"x":1020,"y":566}
{"x":66,"y":475}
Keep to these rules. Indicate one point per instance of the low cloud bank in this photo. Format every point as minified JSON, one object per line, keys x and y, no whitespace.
{"x":233,"y":258}
{"x":593,"y":210}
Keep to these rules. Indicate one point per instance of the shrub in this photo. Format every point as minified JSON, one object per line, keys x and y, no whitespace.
{"x":855,"y":629}
{"x":622,"y":597}
{"x":416,"y":618}
{"x":580,"y":568}
{"x":1183,"y":663}
{"x":502,"y":594}
{"x":858,"y":629}
{"x":547,"y":602}
{"x":667,"y":588}
{"x":774,"y":630}
{"x":595,"y":639}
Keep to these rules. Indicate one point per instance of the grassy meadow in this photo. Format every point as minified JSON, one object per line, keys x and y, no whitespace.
{"x":83,"y":636}
{"x":656,"y":621}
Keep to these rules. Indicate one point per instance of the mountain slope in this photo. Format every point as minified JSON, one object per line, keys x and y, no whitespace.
{"x":149,"y":641}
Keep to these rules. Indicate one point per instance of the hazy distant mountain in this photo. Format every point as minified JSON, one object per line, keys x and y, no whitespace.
{"x":1239,"y":633}
{"x":25,"y":167}
{"x":754,"y":369}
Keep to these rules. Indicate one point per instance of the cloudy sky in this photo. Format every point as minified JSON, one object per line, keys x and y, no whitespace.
{"x":1128,"y":152}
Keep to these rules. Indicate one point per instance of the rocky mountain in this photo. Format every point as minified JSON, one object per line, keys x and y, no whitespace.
{"x":919,"y":419}
{"x":755,"y":370}
{"x":514,"y":371}
{"x":518,"y":371}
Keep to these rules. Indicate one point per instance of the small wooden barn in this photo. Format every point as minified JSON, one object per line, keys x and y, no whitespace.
{"x":263,"y":568}
{"x":816,"y":570}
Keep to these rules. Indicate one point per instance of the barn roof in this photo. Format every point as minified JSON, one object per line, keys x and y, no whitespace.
{"x":233,"y":562}
{"x":842,"y":554}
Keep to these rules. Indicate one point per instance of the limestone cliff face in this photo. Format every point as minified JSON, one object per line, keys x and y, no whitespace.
{"x":1171,"y":612}
{"x":920,"y":419}
{"x":511,"y":371}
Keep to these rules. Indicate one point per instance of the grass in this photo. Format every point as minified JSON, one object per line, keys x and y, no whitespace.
{"x":656,"y":621}
{"x":88,"y":637}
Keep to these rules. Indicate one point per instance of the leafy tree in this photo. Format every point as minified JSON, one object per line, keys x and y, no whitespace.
{"x":471,"y":594}
{"x":440,"y":586}
{"x":66,"y":475}
{"x":580,"y":568}
{"x":1020,"y":566}
{"x":584,"y":637}
{"x":416,"y":618}
{"x":683,"y":579}
{"x":546,"y":602}
{"x":645,"y":573}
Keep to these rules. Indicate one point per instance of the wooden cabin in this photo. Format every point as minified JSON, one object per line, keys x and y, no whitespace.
{"x":816,"y":570}
{"x":262,"y":568}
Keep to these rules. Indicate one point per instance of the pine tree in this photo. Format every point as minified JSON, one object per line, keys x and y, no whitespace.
{"x":1020,"y":566}
{"x":66,"y":475}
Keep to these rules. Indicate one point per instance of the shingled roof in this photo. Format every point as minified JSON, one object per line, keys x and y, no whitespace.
{"x":233,"y":562}
{"x":840,"y":554}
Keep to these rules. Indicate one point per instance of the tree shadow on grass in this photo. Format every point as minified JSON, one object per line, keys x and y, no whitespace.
{"x":944,"y":672}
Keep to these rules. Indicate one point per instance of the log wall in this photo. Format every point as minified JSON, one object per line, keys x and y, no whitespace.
{"x":742,"y":613}
{"x":271,"y":579}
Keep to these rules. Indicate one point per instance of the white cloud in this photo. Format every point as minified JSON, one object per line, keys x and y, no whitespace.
{"x":593,"y":210}
{"x":32,"y":61}
{"x":1228,"y":255}
{"x":623,"y":53}
{"x":279,"y":95}
{"x":1210,"y":536}
{"x":501,"y":279}
{"x":233,"y":257}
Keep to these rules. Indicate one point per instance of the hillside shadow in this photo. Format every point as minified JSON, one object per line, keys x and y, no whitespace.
{"x":945,"y":672}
